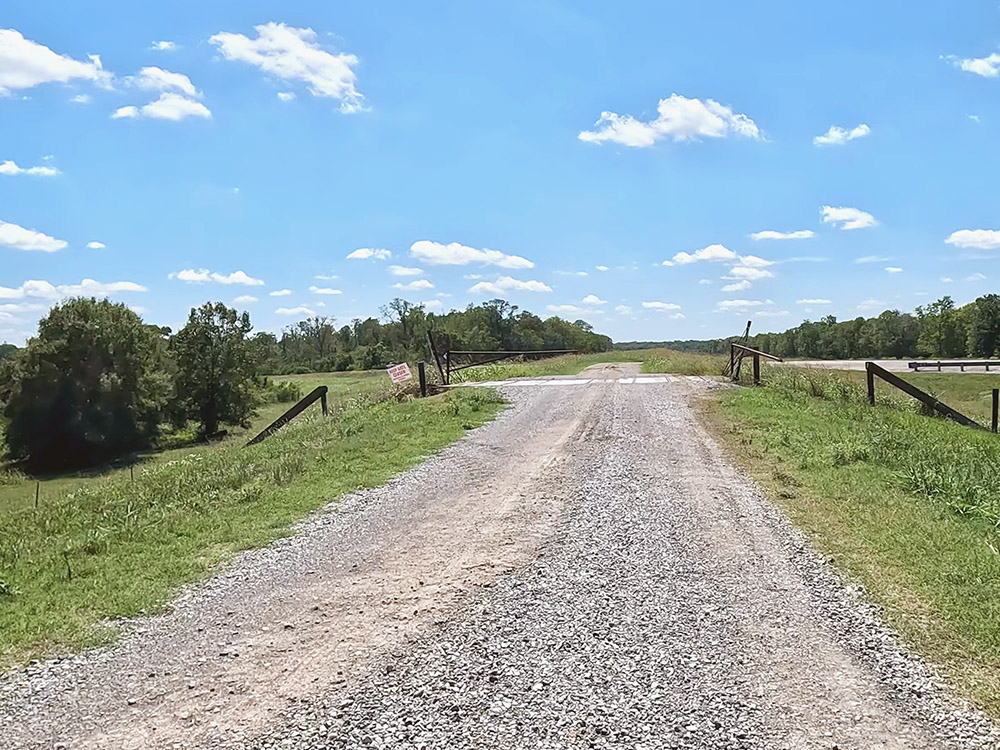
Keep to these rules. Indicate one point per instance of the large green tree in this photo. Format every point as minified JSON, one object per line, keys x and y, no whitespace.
{"x":91,"y":386}
{"x":217,"y":364}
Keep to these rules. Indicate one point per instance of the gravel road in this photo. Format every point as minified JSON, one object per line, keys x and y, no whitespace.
{"x":586,"y":571}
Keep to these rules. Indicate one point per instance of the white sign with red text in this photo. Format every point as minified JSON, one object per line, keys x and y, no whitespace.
{"x":399,"y":373}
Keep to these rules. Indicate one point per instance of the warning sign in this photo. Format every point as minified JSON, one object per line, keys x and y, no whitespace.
{"x":399,"y":373}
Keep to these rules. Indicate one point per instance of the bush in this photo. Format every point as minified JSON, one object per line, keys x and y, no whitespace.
{"x":90,"y":387}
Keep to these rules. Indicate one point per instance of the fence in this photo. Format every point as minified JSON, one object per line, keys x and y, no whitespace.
{"x":736,"y":354}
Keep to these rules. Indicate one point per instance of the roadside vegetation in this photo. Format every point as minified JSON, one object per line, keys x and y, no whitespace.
{"x":113,"y":547}
{"x":904,"y":503}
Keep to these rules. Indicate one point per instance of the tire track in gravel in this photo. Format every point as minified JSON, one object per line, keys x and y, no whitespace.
{"x":310,"y":612}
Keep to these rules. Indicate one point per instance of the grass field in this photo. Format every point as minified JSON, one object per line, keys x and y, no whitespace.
{"x":904,"y":503}
{"x":106,"y":547}
{"x":652,"y":361}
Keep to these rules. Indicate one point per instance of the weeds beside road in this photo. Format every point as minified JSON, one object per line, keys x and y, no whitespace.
{"x":114,"y":548}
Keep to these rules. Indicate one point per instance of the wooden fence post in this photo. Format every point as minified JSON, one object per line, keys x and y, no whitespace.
{"x":422,"y":375}
{"x":871,"y":384}
{"x":996,"y":404}
{"x":756,"y":369}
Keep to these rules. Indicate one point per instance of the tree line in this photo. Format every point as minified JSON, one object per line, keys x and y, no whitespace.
{"x":938,"y":329}
{"x":97,"y":382}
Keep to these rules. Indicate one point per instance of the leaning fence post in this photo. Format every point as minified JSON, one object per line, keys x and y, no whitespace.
{"x":422,"y":375}
{"x":996,"y":404}
{"x":871,"y":384}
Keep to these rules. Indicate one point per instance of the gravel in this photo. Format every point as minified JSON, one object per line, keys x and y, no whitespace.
{"x":620,"y":585}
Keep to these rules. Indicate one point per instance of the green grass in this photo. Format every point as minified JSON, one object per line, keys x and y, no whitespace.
{"x":114,"y":548}
{"x":652,"y":361}
{"x":904,"y":503}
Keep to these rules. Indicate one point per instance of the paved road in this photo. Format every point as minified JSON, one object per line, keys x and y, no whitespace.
{"x":587,"y":571}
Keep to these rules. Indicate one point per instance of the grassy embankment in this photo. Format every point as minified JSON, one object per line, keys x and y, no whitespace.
{"x":905,"y":504}
{"x":105,"y":547}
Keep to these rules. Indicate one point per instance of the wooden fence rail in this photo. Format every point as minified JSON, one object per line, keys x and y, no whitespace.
{"x":318,"y":393}
{"x":873,"y":370}
{"x":740,"y":351}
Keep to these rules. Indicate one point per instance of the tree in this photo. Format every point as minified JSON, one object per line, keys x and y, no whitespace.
{"x":216,"y":366}
{"x":984,"y":326}
{"x":92,"y":386}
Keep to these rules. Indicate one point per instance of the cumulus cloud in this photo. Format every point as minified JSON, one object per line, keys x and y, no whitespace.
{"x":10,"y":168}
{"x":96,"y":245}
{"x":593,"y":299}
{"x":570,"y":273}
{"x":661,"y":306}
{"x":363,"y":253}
{"x":414,"y":286}
{"x":623,"y":310}
{"x":976,"y":277}
{"x":169,"y":106}
{"x":814,"y":301}
{"x":678,"y":118}
{"x":244,"y":299}
{"x":946,"y":279}
{"x":572,"y":309}
{"x":25,"y":64}
{"x":508,"y":284}
{"x":404,"y":271}
{"x":86,"y":288}
{"x":710,"y":253}
{"x":836,"y":136}
{"x":80,"y":99}
{"x":19,"y":238}
{"x":872,"y":304}
{"x":163,"y":46}
{"x":158,"y":79}
{"x":740,"y":305}
{"x":293,"y":54}
{"x":770,"y":234}
{"x":279,"y":293}
{"x":988,"y":67}
{"x":847,"y":218}
{"x":738,"y":286}
{"x":294,"y":311}
{"x":286,"y":96}
{"x":455,"y":254}
{"x":601,"y":268}
{"x":983,"y":239}
{"x":191,"y":276}
{"x":748,"y":273}
{"x":324,"y":290}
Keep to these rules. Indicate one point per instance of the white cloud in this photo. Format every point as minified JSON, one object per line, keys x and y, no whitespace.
{"x":293,"y":54}
{"x":679,"y":118}
{"x":86,"y":288}
{"x":893,"y":269}
{"x":294,"y":311}
{"x":748,"y":273}
{"x":705,"y":282}
{"x":572,"y":309}
{"x":19,"y":238}
{"x":623,"y":310}
{"x":752,"y":261}
{"x":404,"y":271}
{"x":244,"y":299}
{"x":324,"y":290}
{"x":80,"y":99}
{"x":163,"y":46}
{"x":414,"y":286}
{"x":872,"y":259}
{"x":286,"y":96}
{"x":455,"y":254}
{"x":158,"y":79}
{"x":988,"y":67}
{"x":736,"y":305}
{"x":593,"y":299}
{"x":96,"y":245}
{"x":326,"y":276}
{"x":771,"y":313}
{"x":813,"y":302}
{"x":601,"y":268}
{"x":836,"y":136}
{"x":10,"y":168}
{"x":202,"y":275}
{"x":872,"y":304}
{"x":169,"y":106}
{"x":770,"y":234}
{"x":738,"y":286}
{"x":976,"y":277}
{"x":279,"y":293}
{"x":946,"y":279}
{"x":24,"y":64}
{"x":983,"y":239}
{"x":434,"y":304}
{"x":661,"y":306}
{"x":506,"y":284}
{"x":569,"y":273}
{"x":847,"y":218}
{"x":363,"y":253}
{"x":710,"y":253}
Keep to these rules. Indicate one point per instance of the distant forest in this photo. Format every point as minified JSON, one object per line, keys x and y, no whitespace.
{"x":938,"y":329}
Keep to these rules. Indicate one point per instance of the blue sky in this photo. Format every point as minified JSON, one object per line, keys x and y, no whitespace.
{"x":553,"y":153}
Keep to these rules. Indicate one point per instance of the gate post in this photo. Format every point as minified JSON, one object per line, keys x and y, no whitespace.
{"x":871,"y":384}
{"x":422,"y":375}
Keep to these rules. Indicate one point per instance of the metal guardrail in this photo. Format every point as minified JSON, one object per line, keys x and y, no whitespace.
{"x":915,"y":366}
